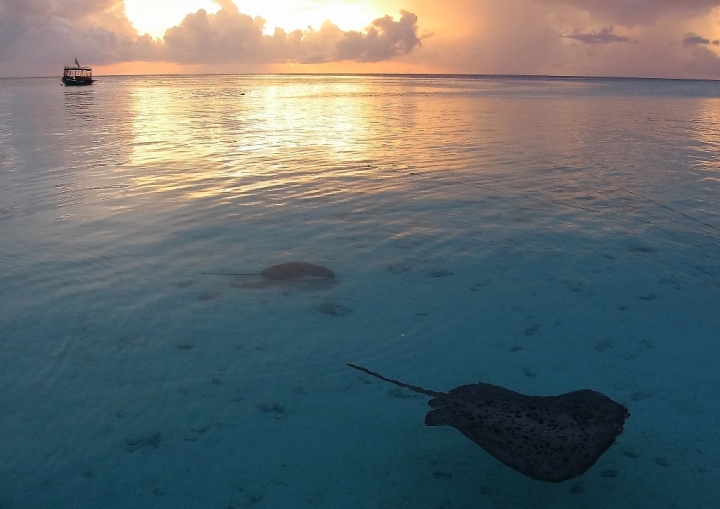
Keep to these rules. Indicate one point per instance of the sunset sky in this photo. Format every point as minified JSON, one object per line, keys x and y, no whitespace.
{"x":659,"y":38}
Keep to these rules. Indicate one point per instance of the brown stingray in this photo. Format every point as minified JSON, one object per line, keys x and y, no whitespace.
{"x":548,"y":438}
{"x":296,"y":270}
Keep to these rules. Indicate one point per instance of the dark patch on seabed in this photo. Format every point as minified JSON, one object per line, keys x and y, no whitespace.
{"x":143,"y":441}
{"x":333,"y":308}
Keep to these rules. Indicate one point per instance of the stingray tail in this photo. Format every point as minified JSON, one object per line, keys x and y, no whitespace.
{"x":228,"y":274}
{"x":414,"y":388}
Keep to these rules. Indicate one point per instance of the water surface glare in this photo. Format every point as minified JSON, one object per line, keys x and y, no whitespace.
{"x":545,"y":235}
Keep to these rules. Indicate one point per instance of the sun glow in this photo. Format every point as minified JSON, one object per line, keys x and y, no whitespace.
{"x":156,"y":16}
{"x":294,"y":14}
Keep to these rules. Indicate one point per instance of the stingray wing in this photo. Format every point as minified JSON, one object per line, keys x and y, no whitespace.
{"x":296,"y":270}
{"x":548,"y":438}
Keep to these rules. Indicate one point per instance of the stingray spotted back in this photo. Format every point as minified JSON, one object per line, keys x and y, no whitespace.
{"x":548,"y":438}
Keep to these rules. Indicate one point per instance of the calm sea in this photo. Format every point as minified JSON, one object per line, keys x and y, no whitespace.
{"x":545,"y":235}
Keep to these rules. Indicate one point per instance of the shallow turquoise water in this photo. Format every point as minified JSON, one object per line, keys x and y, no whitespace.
{"x":542,"y":235}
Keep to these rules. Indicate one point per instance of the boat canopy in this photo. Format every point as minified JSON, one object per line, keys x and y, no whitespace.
{"x":77,"y":72}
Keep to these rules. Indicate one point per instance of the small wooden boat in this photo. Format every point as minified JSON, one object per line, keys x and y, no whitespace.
{"x":77,"y":75}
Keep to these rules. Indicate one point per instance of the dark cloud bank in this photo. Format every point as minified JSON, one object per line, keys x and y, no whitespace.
{"x":692,"y":39}
{"x":97,"y":31}
{"x":605,"y":36}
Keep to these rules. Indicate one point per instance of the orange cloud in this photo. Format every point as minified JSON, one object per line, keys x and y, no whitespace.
{"x":230,"y":36}
{"x":45,"y":32}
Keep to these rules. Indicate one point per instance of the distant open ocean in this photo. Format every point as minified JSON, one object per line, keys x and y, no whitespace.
{"x":541,"y":234}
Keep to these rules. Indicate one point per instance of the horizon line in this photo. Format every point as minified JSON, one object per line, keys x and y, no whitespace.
{"x":397,"y":75}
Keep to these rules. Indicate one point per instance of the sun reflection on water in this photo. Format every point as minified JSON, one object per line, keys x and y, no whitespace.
{"x":206,"y":140}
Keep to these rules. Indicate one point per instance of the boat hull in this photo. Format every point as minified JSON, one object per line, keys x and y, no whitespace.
{"x":69,"y":82}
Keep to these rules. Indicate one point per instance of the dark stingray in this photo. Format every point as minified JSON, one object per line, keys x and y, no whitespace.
{"x":296,"y":270}
{"x":548,"y":438}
